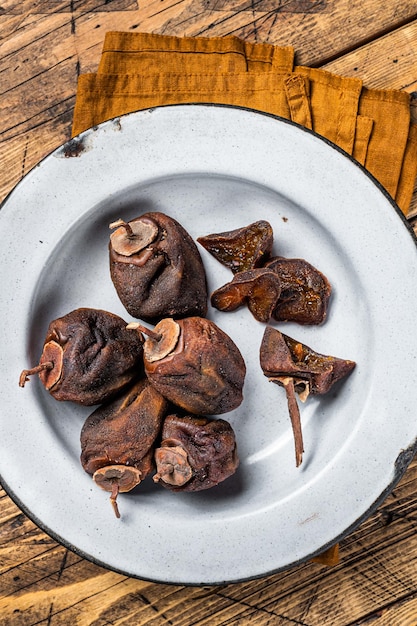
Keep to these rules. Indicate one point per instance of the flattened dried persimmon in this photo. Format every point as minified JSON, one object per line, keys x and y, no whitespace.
{"x":243,"y":248}
{"x":259,"y":289}
{"x":300,"y":370}
{"x":305,"y":291}
{"x":195,"y":453}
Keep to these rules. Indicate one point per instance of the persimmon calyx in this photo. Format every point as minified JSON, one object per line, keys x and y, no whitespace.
{"x":172,"y":465}
{"x":160,"y":341}
{"x":131,"y":237}
{"x":117,"y":479}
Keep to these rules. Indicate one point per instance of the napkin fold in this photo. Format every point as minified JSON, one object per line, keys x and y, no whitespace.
{"x":142,"y":70}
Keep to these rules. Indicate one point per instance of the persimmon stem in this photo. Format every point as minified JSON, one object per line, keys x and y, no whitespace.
{"x":288,"y":383}
{"x":24,"y":376}
{"x":295,"y":420}
{"x":129,"y":232}
{"x":113,"y":498}
{"x":169,"y":468}
{"x":146,"y":331}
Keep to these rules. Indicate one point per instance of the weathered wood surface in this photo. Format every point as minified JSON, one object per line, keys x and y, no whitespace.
{"x":44,"y":46}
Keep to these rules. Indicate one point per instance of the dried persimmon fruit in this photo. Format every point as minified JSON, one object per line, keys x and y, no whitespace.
{"x":259,"y":289}
{"x":118,"y":438}
{"x":300,"y":370}
{"x":305,"y":291}
{"x":195,"y":453}
{"x":156,"y":268}
{"x":88,"y":357}
{"x":242,"y":248}
{"x":194,"y":364}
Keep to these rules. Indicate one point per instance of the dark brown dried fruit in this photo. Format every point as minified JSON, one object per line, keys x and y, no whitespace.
{"x":301,"y":370}
{"x":195,"y":453}
{"x":199,"y":368}
{"x":88,"y":357}
{"x":117,"y":439}
{"x":243,"y":248}
{"x":156,"y":268}
{"x":305,"y":291}
{"x":259,"y":289}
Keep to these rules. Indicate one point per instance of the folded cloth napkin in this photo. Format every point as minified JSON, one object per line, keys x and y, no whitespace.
{"x":124,"y":53}
{"x":141,"y":70}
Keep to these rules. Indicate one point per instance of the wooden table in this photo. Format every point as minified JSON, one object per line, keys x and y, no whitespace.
{"x":44,"y":46}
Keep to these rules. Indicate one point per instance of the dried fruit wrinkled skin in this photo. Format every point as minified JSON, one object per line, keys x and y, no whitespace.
{"x":195,"y":453}
{"x":243,"y":248}
{"x":281,"y":355}
{"x":305,"y":291}
{"x":157,"y":270}
{"x":203,"y":372}
{"x":117,"y":439}
{"x":259,"y":289}
{"x":88,"y":357}
{"x":301,"y":370}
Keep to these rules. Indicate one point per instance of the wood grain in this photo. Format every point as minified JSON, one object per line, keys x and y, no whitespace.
{"x":44,"y":46}
{"x":398,"y":51}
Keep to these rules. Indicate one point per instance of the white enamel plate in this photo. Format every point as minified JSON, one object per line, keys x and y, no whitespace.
{"x":213,"y":168}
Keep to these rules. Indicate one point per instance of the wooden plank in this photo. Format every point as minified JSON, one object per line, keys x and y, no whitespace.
{"x":107,"y":596}
{"x":22,"y":7}
{"x":308,"y":26}
{"x":400,"y":613}
{"x":398,"y":51}
{"x":30,"y":143}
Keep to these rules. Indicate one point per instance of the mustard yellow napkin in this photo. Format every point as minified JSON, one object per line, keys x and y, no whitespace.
{"x":295,"y":96}
{"x":141,"y":70}
{"x":127,"y":53}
